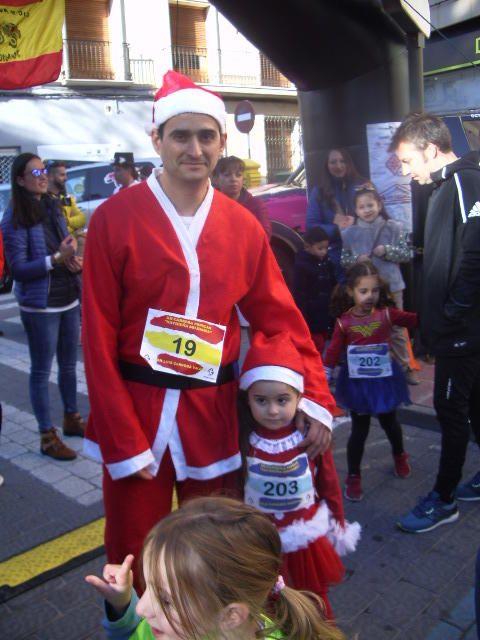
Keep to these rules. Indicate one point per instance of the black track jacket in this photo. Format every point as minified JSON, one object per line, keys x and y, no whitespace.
{"x":450,"y":310}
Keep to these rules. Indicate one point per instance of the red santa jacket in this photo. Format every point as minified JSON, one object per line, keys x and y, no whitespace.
{"x":140,"y":255}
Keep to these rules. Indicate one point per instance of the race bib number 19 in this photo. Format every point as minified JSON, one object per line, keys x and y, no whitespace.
{"x":182,"y":346}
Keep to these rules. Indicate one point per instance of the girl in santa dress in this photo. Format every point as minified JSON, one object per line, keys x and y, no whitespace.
{"x":302,"y":496}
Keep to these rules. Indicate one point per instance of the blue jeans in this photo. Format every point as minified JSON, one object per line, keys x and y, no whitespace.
{"x":48,"y":333}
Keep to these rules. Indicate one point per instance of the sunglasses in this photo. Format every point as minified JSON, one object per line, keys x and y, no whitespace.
{"x":36,"y":173}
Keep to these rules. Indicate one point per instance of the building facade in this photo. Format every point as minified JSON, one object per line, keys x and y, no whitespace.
{"x":115,"y":54}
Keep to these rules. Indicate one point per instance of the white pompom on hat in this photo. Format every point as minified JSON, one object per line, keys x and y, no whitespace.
{"x":178,"y":94}
{"x":272,"y":358}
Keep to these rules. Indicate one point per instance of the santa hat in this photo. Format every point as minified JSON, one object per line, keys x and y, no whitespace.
{"x":272,"y":358}
{"x":178,"y":94}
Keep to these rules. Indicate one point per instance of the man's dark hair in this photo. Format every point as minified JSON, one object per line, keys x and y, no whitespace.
{"x":229,"y":163}
{"x":422,"y":129}
{"x":315,"y":234}
{"x":54,"y":164}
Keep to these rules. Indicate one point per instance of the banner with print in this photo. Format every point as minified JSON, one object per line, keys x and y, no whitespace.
{"x":30,"y":42}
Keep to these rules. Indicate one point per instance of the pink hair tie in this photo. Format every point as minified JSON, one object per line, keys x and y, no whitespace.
{"x":277,"y":588}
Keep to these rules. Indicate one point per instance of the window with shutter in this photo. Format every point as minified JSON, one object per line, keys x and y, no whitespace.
{"x":88,"y":39}
{"x":189,"y":41}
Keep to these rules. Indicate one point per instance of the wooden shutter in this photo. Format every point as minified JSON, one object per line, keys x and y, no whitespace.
{"x":271,"y":76}
{"x":189,"y":41}
{"x":88,"y":39}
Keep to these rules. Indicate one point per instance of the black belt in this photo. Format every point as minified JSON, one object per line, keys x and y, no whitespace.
{"x":147,"y":375}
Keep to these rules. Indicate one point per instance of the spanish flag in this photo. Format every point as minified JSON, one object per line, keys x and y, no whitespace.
{"x":30,"y":42}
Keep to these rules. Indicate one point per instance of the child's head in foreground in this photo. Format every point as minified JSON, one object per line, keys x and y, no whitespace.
{"x":212,"y":572}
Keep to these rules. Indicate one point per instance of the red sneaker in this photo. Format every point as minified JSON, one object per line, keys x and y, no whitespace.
{"x":402,"y":466}
{"x":353,"y":488}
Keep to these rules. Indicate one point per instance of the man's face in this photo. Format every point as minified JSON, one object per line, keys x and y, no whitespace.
{"x":190,"y":147}
{"x":418,"y":163}
{"x":57,"y":178}
{"x":122,"y":174}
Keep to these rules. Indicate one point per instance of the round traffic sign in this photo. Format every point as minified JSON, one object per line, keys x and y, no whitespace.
{"x":244,"y":116}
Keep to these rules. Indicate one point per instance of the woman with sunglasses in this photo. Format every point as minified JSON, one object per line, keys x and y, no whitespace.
{"x":41,"y":255}
{"x":330,"y":204}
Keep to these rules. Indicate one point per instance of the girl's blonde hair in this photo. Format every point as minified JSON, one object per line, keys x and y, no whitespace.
{"x":218,"y":551}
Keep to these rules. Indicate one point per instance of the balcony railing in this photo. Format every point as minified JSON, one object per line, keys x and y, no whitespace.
{"x":191,"y":61}
{"x":92,"y":59}
{"x":89,"y":59}
{"x":143,"y":71}
{"x":243,"y":68}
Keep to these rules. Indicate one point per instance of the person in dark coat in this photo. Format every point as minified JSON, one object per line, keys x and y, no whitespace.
{"x":41,"y":256}
{"x":313,"y":282}
{"x":450,"y":306}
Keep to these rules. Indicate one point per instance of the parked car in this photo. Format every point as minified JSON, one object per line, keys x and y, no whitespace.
{"x":287,"y":209}
{"x":91,"y":184}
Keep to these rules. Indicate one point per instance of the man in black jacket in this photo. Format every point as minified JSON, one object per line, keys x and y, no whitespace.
{"x":450,"y":307}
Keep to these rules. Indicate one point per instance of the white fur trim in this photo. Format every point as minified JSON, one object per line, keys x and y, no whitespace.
{"x":128,"y":467}
{"x":272,"y":372}
{"x":189,"y":101}
{"x":277,"y":445}
{"x":301,"y":533}
{"x":316,"y":411}
{"x":344,"y":539}
{"x":219,"y":468}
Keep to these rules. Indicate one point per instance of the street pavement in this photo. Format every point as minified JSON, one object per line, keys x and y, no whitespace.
{"x":397,"y":586}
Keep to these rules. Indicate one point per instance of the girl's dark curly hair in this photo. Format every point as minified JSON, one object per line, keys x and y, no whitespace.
{"x":342,"y":301}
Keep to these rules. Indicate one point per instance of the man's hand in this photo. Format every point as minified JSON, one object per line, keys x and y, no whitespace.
{"x":116,"y":586}
{"x":144,"y":474}
{"x":317,"y":435}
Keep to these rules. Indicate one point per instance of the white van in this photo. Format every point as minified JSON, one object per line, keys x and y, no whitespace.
{"x":91,"y":184}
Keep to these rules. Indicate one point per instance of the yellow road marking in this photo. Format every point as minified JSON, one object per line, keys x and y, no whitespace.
{"x":52,"y":554}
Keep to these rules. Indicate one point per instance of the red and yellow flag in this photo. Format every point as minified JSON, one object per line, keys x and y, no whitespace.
{"x":30,"y":42}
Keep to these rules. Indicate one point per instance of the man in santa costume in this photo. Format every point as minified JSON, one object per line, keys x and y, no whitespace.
{"x":166,"y":262}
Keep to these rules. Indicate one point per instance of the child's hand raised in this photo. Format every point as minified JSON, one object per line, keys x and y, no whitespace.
{"x":116,"y":586}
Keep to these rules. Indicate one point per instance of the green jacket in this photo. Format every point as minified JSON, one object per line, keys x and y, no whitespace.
{"x":131,"y":627}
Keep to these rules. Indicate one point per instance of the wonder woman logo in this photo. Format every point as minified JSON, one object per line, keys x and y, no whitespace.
{"x":366,"y":330}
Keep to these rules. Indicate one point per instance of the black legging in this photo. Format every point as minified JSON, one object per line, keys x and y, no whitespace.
{"x":358,"y":437}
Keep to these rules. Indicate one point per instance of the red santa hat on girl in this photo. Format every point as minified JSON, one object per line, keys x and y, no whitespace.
{"x":178,"y":94}
{"x":272,"y":358}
